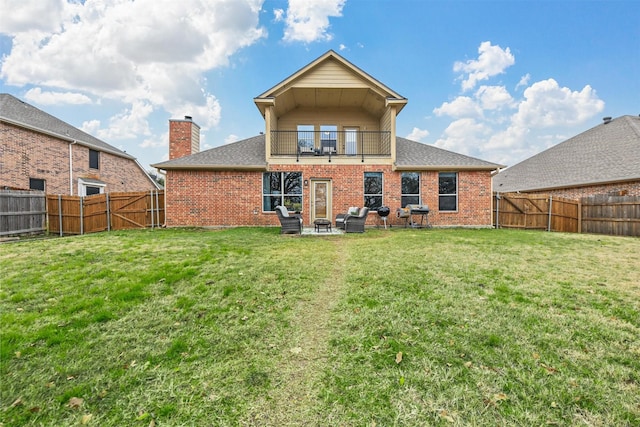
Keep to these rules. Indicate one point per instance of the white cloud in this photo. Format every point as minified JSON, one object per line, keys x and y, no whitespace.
{"x":462,"y":106}
{"x":278,"y":15}
{"x":231,"y":138}
{"x":493,"y":97}
{"x":308,"y":20}
{"x":524,"y":81}
{"x":149,"y":54}
{"x":155,"y":141}
{"x":56,"y":98}
{"x":31,"y":15}
{"x":463,"y":136}
{"x":417,"y":134}
{"x":342,"y":47}
{"x":546,"y":104}
{"x":492,"y":60}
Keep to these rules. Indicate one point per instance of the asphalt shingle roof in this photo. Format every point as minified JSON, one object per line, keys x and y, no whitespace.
{"x":411,"y":154}
{"x":19,"y":113}
{"x":606,"y":153}
{"x":250,"y":154}
{"x":245,"y":154}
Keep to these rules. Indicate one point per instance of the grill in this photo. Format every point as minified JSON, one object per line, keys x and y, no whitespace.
{"x":408,"y":213}
{"x":383,"y":212}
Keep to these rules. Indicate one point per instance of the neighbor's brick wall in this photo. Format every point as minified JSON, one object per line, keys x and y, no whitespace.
{"x":225,"y":198}
{"x":26,"y":154}
{"x":631,"y":188}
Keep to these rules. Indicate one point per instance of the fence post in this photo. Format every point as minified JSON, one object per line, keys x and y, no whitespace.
{"x":157,"y":209}
{"x":550,"y":212}
{"x":151,"y":197}
{"x":60,"y":213}
{"x":81,"y":215}
{"x":497,"y":210}
{"x":108,"y":214}
{"x":580,"y":216}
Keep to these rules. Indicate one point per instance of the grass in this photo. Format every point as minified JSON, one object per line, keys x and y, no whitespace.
{"x":392,"y":327}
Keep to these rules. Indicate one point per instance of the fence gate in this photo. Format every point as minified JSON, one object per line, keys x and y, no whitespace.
{"x":104,"y":212}
{"x":536,"y":212}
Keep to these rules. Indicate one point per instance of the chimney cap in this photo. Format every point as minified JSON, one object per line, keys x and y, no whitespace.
{"x":189,"y":118}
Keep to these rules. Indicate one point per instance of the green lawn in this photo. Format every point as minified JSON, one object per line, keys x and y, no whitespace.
{"x":395,"y":327}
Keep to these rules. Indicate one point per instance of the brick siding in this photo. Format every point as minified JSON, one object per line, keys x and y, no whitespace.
{"x":630,"y":188}
{"x":27,"y":154}
{"x":234,"y":198}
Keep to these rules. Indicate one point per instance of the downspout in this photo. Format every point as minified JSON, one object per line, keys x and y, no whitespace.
{"x":71,"y":167}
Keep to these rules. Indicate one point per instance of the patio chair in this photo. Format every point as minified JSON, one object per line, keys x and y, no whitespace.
{"x":355,"y":223}
{"x":353,"y":210}
{"x":289,"y":223}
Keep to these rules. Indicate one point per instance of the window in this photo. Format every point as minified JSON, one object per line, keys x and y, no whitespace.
{"x":448,"y":191}
{"x":94,"y":159}
{"x":282,"y":189}
{"x":410,"y":189}
{"x":36,"y":184}
{"x":90,"y":191}
{"x":373,"y":190}
{"x":306,"y":138}
{"x":328,"y":138}
{"x":88,"y":187}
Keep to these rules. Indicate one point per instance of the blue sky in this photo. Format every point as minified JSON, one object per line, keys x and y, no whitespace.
{"x":497,"y":80}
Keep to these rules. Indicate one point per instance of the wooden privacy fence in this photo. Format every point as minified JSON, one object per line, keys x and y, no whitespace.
{"x":616,"y":215}
{"x":536,"y":212}
{"x":105,"y":212}
{"x":22,"y":212}
{"x":603,"y":214}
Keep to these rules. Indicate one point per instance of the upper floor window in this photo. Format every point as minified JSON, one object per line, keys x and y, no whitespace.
{"x":328,"y":138}
{"x":410,"y":189}
{"x":36,"y":184}
{"x":282,"y":189}
{"x":306,"y":138}
{"x":373,"y":190}
{"x":94,"y":159}
{"x":448,"y":191}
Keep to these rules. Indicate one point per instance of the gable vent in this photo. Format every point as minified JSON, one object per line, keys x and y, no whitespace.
{"x":606,"y":120}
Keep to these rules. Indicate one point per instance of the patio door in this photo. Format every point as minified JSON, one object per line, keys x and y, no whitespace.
{"x":320,"y":199}
{"x":350,"y":141}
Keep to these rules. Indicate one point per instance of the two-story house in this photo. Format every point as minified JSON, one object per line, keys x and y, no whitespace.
{"x":329,"y":143}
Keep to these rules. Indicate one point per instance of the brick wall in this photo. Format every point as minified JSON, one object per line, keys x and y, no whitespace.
{"x":631,"y":188}
{"x":226,"y":198}
{"x":26,"y":154}
{"x":184,"y":138}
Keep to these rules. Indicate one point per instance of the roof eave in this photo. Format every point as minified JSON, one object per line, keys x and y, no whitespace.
{"x":447,"y":167}
{"x":211,"y":167}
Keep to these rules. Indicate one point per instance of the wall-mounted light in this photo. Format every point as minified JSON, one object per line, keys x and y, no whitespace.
{"x":306,"y":182}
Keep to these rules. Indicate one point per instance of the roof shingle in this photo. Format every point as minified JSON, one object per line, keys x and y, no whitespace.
{"x":605,"y":153}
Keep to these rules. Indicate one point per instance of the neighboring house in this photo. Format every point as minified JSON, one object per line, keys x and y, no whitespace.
{"x":602,"y":160}
{"x":329,"y":143}
{"x":41,"y":152}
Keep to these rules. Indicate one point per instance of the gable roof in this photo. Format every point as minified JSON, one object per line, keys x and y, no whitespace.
{"x":345,"y":75}
{"x":249,"y":154}
{"x":609,"y":152}
{"x":21,"y":114}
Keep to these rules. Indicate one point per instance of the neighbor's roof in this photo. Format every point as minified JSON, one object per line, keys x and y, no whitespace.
{"x":19,"y":113}
{"x":249,"y":154}
{"x":609,"y":152}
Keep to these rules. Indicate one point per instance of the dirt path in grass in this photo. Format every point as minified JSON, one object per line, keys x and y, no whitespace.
{"x":292,"y":400}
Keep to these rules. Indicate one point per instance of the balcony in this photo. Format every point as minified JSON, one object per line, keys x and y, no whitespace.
{"x":345,"y":144}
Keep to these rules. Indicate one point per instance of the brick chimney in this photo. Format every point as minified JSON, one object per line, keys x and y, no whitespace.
{"x":184,"y":137}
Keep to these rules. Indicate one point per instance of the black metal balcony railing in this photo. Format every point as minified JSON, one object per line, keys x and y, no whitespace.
{"x":359,"y":144}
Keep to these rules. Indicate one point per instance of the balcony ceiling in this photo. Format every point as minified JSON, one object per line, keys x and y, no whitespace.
{"x":364,"y":98}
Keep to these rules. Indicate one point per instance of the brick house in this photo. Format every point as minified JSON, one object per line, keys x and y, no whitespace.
{"x":329,"y":143}
{"x":41,"y":152}
{"x":602,"y":160}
